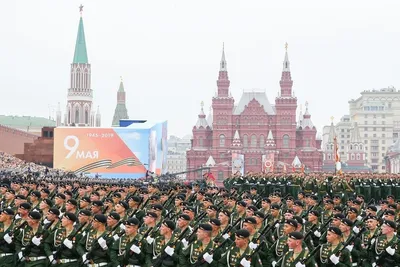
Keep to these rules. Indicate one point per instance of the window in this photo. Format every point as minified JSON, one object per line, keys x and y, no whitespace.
{"x":383,"y":116}
{"x":374,"y":129}
{"x":253,"y":142}
{"x":352,"y":156}
{"x":365,"y":116}
{"x":365,"y":135}
{"x":365,"y":122}
{"x":383,"y":167}
{"x":220,"y":175}
{"x":383,"y":135}
{"x":358,"y":156}
{"x":285,"y":140}
{"x":374,"y":122}
{"x":77,"y":116}
{"x":222,"y":140}
{"x":383,"y":129}
{"x":222,"y":155}
{"x":329,"y":156}
{"x":342,"y":130}
{"x":342,"y":141}
{"x":366,"y":129}
{"x":383,"y":122}
{"x":262,"y":141}
{"x":86,"y":117}
{"x":201,"y":141}
{"x":374,"y":116}
{"x":365,"y":141}
{"x":245,"y":141}
{"x":342,"y":147}
{"x":342,"y":136}
{"x":383,"y":142}
{"x":348,"y":136}
{"x":374,"y":135}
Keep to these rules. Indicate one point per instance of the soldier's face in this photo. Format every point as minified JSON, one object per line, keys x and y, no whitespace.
{"x":387,"y":229}
{"x":371,"y":224}
{"x":241,"y":242}
{"x":129,"y":229}
{"x":292,"y":243}
{"x":331,"y":237}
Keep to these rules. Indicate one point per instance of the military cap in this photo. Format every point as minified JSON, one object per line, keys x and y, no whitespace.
{"x":302,"y":193}
{"x":97,"y":203}
{"x":4,"y":185}
{"x":35,"y":215}
{"x":253,"y":208}
{"x":253,"y":187}
{"x":390,"y":196}
{"x":182,"y":197}
{"x":335,"y":230}
{"x":72,"y":202}
{"x":154,"y":197}
{"x":352,"y":209}
{"x":232,"y":198}
{"x":242,"y":203}
{"x":48,"y":202}
{"x":390,"y":224}
{"x":213,"y":207}
{"x":298,"y":219}
{"x":215,"y":222}
{"x":45,"y":190}
{"x":135,"y":198}
{"x":226,"y":195}
{"x":10,"y":190}
{"x":108,"y":200}
{"x":61,"y":195}
{"x":337,"y":196}
{"x":55,"y":211}
{"x":208,"y":199}
{"x":384,"y":201}
{"x":226,"y":212}
{"x":184,"y":217}
{"x":339,"y":216}
{"x":158,"y":207}
{"x":347,"y":222}
{"x":8,"y":211}
{"x":192,"y":209}
{"x":205,"y":226}
{"x":291,"y":222}
{"x":170,"y":224}
{"x":356,"y":201}
{"x":250,"y":220}
{"x":152,"y":214}
{"x":144,"y":191}
{"x":117,"y":195}
{"x":290,"y":198}
{"x":101,"y":218}
{"x":124,"y":204}
{"x":265,"y":199}
{"x":314,"y":212}
{"x":298,"y":203}
{"x":259,"y":214}
{"x":70,"y":216}
{"x":296,"y":235}
{"x":243,"y":233}
{"x":85,"y":212}
{"x":289,"y":211}
{"x":69,"y":193}
{"x":25,"y":206}
{"x":86,"y":199}
{"x":275,"y":207}
{"x":36,"y":194}
{"x":115,"y":216}
{"x":392,"y":206}
{"x":328,"y":201}
{"x":314,"y":197}
{"x":338,"y":208}
{"x":389,"y":212}
{"x":361,"y":196}
{"x":201,"y":192}
{"x":371,"y":217}
{"x":132,"y":222}
{"x":326,"y":196}
{"x":20,"y":197}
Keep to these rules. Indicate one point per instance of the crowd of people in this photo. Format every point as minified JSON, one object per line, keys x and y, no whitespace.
{"x":52,"y":218}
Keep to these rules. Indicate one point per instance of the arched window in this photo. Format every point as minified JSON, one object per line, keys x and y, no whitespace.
{"x":255,"y":161}
{"x":358,"y":156}
{"x":352,"y":156}
{"x":245,"y":141}
{"x":253,"y":142}
{"x":86,"y":117}
{"x":351,"y":147}
{"x":329,"y":156}
{"x":285,"y":140}
{"x":69,"y":116}
{"x":262,"y":141}
{"x":327,"y":147}
{"x":201,"y":141}
{"x":361,"y":148}
{"x":222,"y":140}
{"x":355,"y":147}
{"x":220,"y":175}
{"x":77,"y":115}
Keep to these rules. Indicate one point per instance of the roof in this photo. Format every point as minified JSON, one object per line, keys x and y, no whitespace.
{"x":260,"y":97}
{"x":80,"y":55}
{"x":25,"y":121}
{"x":121,"y":87}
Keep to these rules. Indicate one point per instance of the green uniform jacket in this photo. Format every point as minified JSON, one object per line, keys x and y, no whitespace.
{"x":232,"y":258}
{"x":194,"y":255}
{"x":289,"y":261}
{"x":380,"y":255}
{"x":322,"y":257}
{"x":120,"y":253}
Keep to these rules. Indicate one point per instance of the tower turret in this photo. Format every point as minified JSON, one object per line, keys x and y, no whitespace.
{"x":120,"y":113}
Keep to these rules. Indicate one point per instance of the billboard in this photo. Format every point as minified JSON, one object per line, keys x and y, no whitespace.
{"x":121,"y":152}
{"x":237,"y":163}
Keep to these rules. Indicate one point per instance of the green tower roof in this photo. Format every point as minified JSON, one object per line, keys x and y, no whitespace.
{"x":121,"y":87}
{"x":80,"y":55}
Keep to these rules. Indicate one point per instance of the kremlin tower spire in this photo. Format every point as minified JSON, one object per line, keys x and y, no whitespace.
{"x":121,"y":113}
{"x":223,"y":80}
{"x":80,"y":111}
{"x":286,"y":79}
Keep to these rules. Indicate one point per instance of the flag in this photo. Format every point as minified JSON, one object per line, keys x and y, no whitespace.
{"x":302,"y":168}
{"x":284,"y":168}
{"x":338,"y":165}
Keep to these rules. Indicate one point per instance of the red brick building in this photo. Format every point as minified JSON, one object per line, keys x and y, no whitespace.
{"x":12,"y":140}
{"x":267,"y":137}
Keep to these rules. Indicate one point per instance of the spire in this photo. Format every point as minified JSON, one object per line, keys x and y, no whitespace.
{"x":210,"y":118}
{"x":223,"y":66}
{"x":286,"y":63}
{"x":210,"y":162}
{"x":80,"y":55}
{"x":306,"y":120}
{"x":236,"y":139}
{"x":286,"y":79}
{"x":121,"y":86}
{"x":270,"y":143}
{"x":201,"y":121}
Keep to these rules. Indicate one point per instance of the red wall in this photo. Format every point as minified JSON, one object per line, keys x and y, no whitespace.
{"x":12,"y":141}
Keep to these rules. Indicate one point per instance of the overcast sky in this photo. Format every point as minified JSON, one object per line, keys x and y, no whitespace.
{"x":168,"y":53}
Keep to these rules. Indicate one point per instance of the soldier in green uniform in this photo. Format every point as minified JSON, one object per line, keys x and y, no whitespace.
{"x":355,"y":247}
{"x":241,"y":254}
{"x":33,"y":253}
{"x":368,"y":238}
{"x":296,"y":254}
{"x":93,"y":248}
{"x":66,"y":254}
{"x":127,"y":250}
{"x":386,"y":250}
{"x":7,"y":246}
{"x":326,"y":257}
{"x":203,"y":251}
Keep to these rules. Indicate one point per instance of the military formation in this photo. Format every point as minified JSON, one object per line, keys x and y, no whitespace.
{"x":299,"y":220}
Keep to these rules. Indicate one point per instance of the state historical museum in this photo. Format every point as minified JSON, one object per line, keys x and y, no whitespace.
{"x":253,"y":135}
